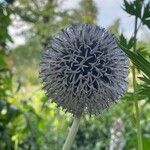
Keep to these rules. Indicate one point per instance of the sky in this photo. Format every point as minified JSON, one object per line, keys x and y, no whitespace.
{"x":108,"y":12}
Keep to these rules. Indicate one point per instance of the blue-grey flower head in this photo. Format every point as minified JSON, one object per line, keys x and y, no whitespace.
{"x":83,"y":70}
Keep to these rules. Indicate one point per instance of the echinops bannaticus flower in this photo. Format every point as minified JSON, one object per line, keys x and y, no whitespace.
{"x":83,"y":70}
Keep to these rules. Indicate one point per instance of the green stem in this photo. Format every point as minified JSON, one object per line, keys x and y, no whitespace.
{"x":137,"y":112}
{"x":72,"y":133}
{"x":139,"y":136}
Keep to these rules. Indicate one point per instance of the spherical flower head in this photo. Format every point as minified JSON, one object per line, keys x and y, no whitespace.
{"x":83,"y":70}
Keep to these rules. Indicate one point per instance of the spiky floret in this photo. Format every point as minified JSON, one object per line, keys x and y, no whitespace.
{"x":83,"y":69}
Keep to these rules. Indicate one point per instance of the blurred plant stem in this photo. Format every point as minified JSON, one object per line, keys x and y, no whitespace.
{"x":72,"y":133}
{"x":137,"y":111}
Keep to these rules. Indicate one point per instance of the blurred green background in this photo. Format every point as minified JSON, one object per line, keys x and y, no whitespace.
{"x":28,"y":121}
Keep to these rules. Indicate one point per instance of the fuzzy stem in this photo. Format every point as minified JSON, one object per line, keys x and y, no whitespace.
{"x":137,"y":112}
{"x":72,"y":133}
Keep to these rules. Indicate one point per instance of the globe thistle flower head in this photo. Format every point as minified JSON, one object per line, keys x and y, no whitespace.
{"x":83,"y":70}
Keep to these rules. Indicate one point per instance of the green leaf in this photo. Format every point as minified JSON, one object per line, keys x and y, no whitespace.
{"x":145,"y":79}
{"x":138,"y":60}
{"x":140,"y":9}
{"x":146,"y":142}
{"x":133,"y":8}
{"x":142,"y":92}
{"x":125,"y":43}
{"x":146,"y":15}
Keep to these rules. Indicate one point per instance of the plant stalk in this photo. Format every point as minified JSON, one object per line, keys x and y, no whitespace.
{"x":72,"y":133}
{"x":137,"y":111}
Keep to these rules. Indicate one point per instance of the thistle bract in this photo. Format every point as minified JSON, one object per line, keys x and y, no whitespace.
{"x":83,"y":70}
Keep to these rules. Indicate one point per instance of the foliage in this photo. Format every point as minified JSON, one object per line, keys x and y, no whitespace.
{"x":140,"y":9}
{"x":142,"y":64}
{"x":135,"y":8}
{"x":81,"y":15}
{"x":27,"y":120}
{"x":4,"y":15}
{"x":31,"y":52}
